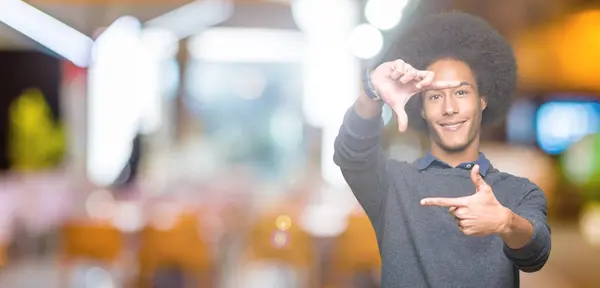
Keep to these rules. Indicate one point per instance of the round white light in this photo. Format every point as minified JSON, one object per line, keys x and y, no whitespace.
{"x":384,"y":14}
{"x":323,"y":17}
{"x":365,"y":41}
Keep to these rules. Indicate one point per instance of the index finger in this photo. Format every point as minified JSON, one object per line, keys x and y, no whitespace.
{"x":445,"y":202}
{"x":437,"y":85}
{"x":427,"y":78}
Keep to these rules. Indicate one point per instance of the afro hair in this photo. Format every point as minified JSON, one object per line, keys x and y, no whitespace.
{"x":469,"y":39}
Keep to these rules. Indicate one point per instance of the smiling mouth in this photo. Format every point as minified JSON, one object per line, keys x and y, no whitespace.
{"x":453,"y":126}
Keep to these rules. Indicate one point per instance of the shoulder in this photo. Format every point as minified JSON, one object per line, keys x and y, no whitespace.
{"x":519,"y":189}
{"x":402,"y":166}
{"x":401,"y":171}
{"x":514,"y":181}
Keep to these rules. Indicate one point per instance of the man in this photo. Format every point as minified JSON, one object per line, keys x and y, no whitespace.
{"x":483,"y":225}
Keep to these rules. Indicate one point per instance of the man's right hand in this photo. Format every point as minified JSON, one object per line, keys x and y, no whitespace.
{"x":397,"y":81}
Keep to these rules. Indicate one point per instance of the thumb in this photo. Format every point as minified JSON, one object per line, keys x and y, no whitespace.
{"x":402,"y":118}
{"x":477,"y":179}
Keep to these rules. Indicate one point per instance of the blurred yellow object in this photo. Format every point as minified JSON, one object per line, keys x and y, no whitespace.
{"x":36,"y":142}
{"x":91,"y":240}
{"x":177,"y":246}
{"x":579,"y":49}
{"x":3,"y":259}
{"x":356,"y":249}
{"x":277,"y":237}
{"x":590,"y":223}
{"x":561,"y":55}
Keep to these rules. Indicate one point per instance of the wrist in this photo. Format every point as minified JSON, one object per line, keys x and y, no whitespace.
{"x":367,"y":108}
{"x":506,"y":222}
{"x":368,"y":88}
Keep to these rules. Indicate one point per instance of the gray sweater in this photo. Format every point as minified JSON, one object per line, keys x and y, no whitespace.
{"x":422,"y":246}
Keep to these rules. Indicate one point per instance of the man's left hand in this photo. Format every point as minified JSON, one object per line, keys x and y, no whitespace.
{"x":479,"y":214}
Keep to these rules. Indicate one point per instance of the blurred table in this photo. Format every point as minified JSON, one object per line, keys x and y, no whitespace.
{"x":572,"y":263}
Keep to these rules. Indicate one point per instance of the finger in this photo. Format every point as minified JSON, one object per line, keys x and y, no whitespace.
{"x":477,"y":179}
{"x":463,"y":213}
{"x":467,"y":231}
{"x":452,"y":209}
{"x":467,"y":227}
{"x":465,"y":223}
{"x":410,"y":75}
{"x":460,"y":225}
{"x":438,"y":85}
{"x":427,"y":78}
{"x":396,"y":75}
{"x":402,"y":117}
{"x":445,"y":202}
{"x":398,"y":69}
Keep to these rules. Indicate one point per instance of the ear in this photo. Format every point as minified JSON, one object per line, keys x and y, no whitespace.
{"x":483,"y":102}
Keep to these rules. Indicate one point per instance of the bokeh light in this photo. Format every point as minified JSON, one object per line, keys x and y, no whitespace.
{"x":283,"y":222}
{"x":590,"y":223}
{"x":581,"y":165}
{"x":365,"y":41}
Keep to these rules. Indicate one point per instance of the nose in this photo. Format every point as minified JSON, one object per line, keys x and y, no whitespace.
{"x":450,"y":105}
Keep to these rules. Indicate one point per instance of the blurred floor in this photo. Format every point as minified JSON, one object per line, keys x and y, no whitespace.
{"x":31,"y":274}
{"x":573,"y":263}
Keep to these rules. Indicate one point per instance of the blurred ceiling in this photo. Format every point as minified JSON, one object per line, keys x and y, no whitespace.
{"x":511,"y":17}
{"x":87,"y":16}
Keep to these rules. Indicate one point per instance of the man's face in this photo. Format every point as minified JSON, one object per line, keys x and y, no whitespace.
{"x":453,"y":114}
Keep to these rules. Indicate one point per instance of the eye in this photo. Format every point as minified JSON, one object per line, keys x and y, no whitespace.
{"x":435,"y":97}
{"x":461,"y":92}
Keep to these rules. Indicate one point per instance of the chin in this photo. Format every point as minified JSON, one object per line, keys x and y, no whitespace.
{"x":453,"y":147}
{"x":453,"y":139}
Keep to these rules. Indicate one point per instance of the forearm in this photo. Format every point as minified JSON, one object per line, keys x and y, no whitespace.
{"x":527,"y":242}
{"x":361,"y":158}
{"x":359,"y":137}
{"x":367,"y":108}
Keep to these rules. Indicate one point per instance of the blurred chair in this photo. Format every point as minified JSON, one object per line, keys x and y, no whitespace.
{"x":176,"y":248}
{"x":276,"y":240}
{"x":355,"y":255}
{"x":98,"y":242}
{"x":3,"y":256}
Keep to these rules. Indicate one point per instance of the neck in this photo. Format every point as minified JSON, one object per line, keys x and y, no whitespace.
{"x":454,"y":158}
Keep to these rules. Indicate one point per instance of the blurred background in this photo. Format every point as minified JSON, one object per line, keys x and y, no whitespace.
{"x":154,"y":143}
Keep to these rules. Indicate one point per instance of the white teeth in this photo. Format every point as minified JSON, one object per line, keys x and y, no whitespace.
{"x":451,"y":125}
